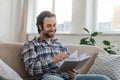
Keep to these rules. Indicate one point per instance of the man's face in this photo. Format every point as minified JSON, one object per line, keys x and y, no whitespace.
{"x":49,"y":27}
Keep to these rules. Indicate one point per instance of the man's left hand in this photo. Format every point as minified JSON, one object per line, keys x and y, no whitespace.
{"x":72,"y":73}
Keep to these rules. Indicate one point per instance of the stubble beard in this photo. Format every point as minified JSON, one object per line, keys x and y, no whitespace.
{"x":46,"y":34}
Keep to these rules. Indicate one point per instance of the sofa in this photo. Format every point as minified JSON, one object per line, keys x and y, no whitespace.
{"x":10,"y":55}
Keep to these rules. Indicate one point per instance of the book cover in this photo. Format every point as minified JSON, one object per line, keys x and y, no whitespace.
{"x":73,"y":61}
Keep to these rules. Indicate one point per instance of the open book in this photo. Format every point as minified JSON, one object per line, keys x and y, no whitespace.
{"x":73,"y":61}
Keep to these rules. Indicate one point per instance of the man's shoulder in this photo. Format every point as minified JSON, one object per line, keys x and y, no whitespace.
{"x":31,"y":42}
{"x":59,"y":43}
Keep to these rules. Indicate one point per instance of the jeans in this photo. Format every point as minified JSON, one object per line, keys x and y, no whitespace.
{"x":91,"y":77}
{"x":51,"y":77}
{"x":78,"y":77}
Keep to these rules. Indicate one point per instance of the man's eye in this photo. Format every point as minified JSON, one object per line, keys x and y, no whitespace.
{"x":48,"y":25}
{"x":54,"y":25}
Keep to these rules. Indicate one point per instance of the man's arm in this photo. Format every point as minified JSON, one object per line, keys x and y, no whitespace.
{"x":33,"y":63}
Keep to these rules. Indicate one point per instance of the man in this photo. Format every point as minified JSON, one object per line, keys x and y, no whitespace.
{"x":42,"y":55}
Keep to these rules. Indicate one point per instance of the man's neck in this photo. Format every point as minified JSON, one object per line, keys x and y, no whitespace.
{"x":44,"y":38}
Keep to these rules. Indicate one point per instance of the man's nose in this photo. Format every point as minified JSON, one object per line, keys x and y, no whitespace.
{"x":53,"y":28}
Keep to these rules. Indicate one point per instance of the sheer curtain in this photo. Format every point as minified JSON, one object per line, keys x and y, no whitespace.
{"x":20,"y":12}
{"x":22,"y":20}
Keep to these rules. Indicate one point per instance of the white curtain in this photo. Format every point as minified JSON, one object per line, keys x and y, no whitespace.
{"x":21,"y":13}
{"x":22,"y":20}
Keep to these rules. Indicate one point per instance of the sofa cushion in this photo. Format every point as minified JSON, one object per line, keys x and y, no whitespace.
{"x":7,"y":73}
{"x":107,"y":65}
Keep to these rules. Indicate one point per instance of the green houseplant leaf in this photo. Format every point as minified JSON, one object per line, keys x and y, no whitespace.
{"x":112,"y":52}
{"x":94,"y":34}
{"x":107,"y":43}
{"x":84,"y":40}
{"x":86,"y":30}
{"x":92,"y":40}
{"x":109,"y":50}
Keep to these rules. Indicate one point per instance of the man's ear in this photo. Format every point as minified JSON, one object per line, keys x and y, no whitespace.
{"x":40,"y":27}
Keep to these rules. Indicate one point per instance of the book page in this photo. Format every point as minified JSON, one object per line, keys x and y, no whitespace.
{"x":73,"y":61}
{"x":73,"y":57}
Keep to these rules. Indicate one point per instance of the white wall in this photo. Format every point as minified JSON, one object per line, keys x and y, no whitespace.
{"x":78,"y":16}
{"x":83,"y":15}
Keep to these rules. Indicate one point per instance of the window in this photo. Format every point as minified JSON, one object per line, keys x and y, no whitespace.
{"x":108,"y":15}
{"x":62,"y":9}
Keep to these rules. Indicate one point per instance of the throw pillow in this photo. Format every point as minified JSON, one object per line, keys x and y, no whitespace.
{"x":7,"y":73}
{"x":108,"y":65}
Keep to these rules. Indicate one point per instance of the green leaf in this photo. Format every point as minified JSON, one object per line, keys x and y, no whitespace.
{"x":113,"y":52}
{"x":84,"y":40}
{"x":106,"y":42}
{"x":108,"y":47}
{"x":92,"y":41}
{"x":110,"y":51}
{"x":94,"y":34}
{"x":86,"y":30}
{"x":105,"y":49}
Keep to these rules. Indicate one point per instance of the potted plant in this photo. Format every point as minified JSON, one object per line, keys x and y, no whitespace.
{"x":109,"y":47}
{"x":89,"y":40}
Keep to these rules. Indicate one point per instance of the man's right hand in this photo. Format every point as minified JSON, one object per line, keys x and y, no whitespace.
{"x":60,"y":56}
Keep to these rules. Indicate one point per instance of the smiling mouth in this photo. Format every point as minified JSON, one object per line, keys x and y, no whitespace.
{"x":51,"y":32}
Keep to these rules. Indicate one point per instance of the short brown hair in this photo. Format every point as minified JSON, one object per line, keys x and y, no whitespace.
{"x":41,"y":18}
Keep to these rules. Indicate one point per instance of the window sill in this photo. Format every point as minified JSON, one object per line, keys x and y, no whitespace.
{"x":83,"y":34}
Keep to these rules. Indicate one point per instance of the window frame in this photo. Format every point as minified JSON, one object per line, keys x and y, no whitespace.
{"x":96,"y":27}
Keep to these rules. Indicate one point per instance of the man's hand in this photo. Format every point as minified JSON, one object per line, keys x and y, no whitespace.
{"x":72,"y":73}
{"x":60,"y":56}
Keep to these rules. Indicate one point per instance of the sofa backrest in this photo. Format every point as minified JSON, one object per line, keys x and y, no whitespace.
{"x":10,"y":54}
{"x":85,"y":49}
